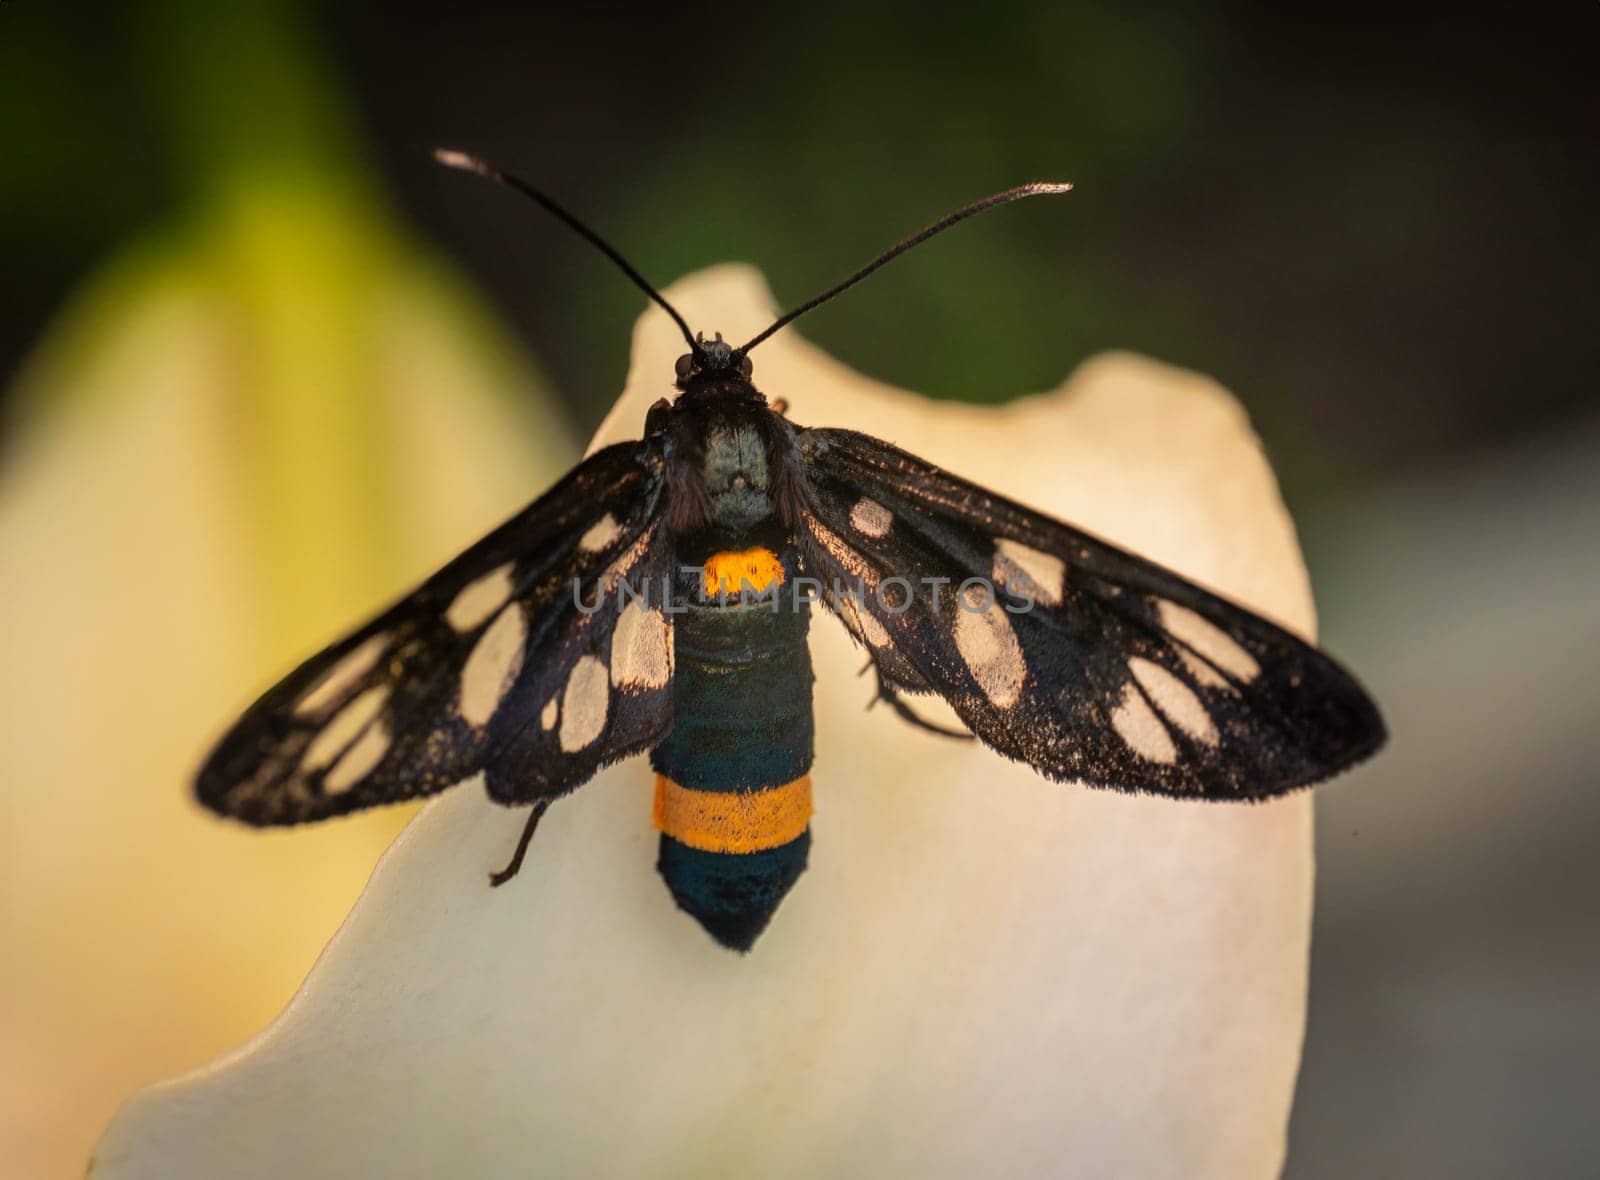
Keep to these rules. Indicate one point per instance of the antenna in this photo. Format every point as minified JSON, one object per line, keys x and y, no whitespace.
{"x":466,"y":163}
{"x":1037,"y":189}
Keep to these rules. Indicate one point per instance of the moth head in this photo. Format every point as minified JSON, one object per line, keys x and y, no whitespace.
{"x":714,"y":358}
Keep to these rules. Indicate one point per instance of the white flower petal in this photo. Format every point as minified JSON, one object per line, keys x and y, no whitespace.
{"x":980,"y":973}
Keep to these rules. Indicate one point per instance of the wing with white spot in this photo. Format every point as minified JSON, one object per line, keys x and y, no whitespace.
{"x":1083,"y":660}
{"x":537,"y":656}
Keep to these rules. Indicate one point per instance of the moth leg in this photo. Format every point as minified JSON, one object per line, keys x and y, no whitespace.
{"x":515,"y":866}
{"x":779,"y":406}
{"x":905,"y":712}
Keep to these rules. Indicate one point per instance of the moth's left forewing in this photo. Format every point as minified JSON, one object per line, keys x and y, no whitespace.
{"x":459,"y":676}
{"x":1089,"y":662}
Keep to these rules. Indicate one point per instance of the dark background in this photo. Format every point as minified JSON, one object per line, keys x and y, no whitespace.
{"x":1375,"y":227}
{"x":1371,"y":227}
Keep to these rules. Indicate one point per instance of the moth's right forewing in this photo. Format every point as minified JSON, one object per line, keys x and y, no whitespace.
{"x":1083,"y":660}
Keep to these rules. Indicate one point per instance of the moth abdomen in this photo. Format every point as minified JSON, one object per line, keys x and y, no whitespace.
{"x":733,"y":785}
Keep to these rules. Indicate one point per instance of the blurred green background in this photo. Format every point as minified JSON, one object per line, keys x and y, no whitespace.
{"x":1369,"y":227}
{"x":1374,"y":226}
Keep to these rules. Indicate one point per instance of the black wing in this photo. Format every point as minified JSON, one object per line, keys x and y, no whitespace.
{"x":1086,"y":662}
{"x":521,"y":659}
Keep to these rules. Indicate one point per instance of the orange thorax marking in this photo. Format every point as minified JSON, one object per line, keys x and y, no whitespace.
{"x":733,"y":821}
{"x":729,"y":571}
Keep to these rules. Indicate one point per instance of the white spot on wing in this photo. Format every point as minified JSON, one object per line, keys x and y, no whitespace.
{"x":1213,"y":643}
{"x":1204,"y":673}
{"x":552,"y":710}
{"x":492,"y":667}
{"x":345,"y":727}
{"x":1137,"y":724}
{"x":600,"y":535}
{"x":871,"y":518}
{"x":872,"y":629}
{"x":355,"y":664}
{"x":989,"y":646}
{"x":584,"y":704}
{"x":480,"y":598}
{"x":861,"y":621}
{"x":359,"y":761}
{"x":1039,"y":575}
{"x":1176,"y":700}
{"x":641,"y":648}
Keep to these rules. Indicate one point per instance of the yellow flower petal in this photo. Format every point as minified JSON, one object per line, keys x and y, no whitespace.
{"x":209,"y":481}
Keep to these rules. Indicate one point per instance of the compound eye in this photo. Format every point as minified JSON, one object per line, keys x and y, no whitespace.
{"x":685,"y":366}
{"x":745,"y":367}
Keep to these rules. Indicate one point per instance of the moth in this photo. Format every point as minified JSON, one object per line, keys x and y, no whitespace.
{"x":658,"y":599}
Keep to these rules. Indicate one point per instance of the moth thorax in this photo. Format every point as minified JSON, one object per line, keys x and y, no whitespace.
{"x":737,"y":476}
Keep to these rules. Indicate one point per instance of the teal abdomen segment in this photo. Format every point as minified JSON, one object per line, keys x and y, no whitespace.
{"x":741,"y":698}
{"x":732,"y":895}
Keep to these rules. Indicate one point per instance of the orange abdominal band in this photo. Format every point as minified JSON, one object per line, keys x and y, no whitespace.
{"x":728,"y":572}
{"x":733,"y":821}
